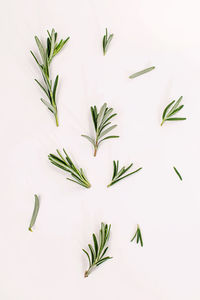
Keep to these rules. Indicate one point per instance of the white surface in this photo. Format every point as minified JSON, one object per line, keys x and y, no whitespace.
{"x":48,"y":264}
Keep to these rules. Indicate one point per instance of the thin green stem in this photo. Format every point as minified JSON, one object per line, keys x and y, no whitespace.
{"x":56,"y":117}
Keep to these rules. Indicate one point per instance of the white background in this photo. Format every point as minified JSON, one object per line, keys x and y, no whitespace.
{"x":48,"y":264}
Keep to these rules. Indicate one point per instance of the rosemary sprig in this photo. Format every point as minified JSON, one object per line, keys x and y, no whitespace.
{"x":47,"y":53}
{"x":67,"y":165}
{"x":141,"y":72}
{"x":118,"y":174}
{"x":177,"y":172}
{"x":138,"y":236}
{"x":168,"y":113}
{"x":106,"y":41}
{"x":101,"y":120}
{"x":97,"y":254}
{"x":35,"y":213}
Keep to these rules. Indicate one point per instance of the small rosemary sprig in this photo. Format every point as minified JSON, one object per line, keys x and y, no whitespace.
{"x":118,"y":174}
{"x":47,"y":53}
{"x":138,"y":236}
{"x":141,"y":72}
{"x":97,"y":254}
{"x":101,"y":121}
{"x":168,"y":113}
{"x":106,"y":41}
{"x":35,"y":213}
{"x":67,"y":165}
{"x":177,"y":172}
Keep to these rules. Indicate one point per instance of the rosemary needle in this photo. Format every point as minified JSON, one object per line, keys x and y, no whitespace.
{"x":177,"y":172}
{"x":141,"y":72}
{"x":35,"y":213}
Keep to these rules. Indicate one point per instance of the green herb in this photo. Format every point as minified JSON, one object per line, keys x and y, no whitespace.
{"x":141,"y":72}
{"x":179,"y":175}
{"x":67,"y":165}
{"x":168,"y":113}
{"x":35,"y":213}
{"x":138,"y":236}
{"x":47,"y":53}
{"x":97,"y":254}
{"x":101,"y":121}
{"x":106,"y":41}
{"x":118,"y":174}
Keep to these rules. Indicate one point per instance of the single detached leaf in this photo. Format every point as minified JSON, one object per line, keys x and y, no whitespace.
{"x":35,"y":213}
{"x":141,"y":72}
{"x":179,"y":175}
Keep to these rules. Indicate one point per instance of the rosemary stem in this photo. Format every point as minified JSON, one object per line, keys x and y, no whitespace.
{"x":56,"y":117}
{"x":95,"y":149}
{"x":162,"y":123}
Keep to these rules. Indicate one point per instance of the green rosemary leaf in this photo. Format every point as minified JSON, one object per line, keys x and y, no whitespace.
{"x":41,"y":49}
{"x":104,"y":252}
{"x":179,"y":175}
{"x":141,"y":241}
{"x":174,"y":109}
{"x":167,"y":108}
{"x":175,"y":119}
{"x":89,"y":139}
{"x":55,"y":87}
{"x":107,"y":130}
{"x":87,"y":256}
{"x":42,"y":87}
{"x":103,"y":260}
{"x":36,"y":59}
{"x":35,"y":213}
{"x":50,"y":107}
{"x":141,"y":72}
{"x":97,"y":256}
{"x":100,"y":121}
{"x":176,"y":104}
{"x":95,"y":244}
{"x":101,"y":114}
{"x":52,"y":44}
{"x":92,"y":253}
{"x":76,"y":181}
{"x":114,"y":169}
{"x":118,"y":175}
